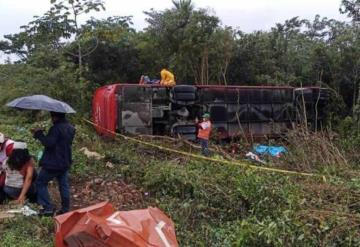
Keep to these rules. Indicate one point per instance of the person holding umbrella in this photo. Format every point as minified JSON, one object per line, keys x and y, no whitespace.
{"x":57,"y":156}
{"x":55,"y":162}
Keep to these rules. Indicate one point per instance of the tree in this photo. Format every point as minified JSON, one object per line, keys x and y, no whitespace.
{"x":71,"y":10}
{"x":116,"y":57}
{"x":54,"y":30}
{"x":43,"y":32}
{"x":192,"y":42}
{"x":351,"y":8}
{"x":221,"y":53}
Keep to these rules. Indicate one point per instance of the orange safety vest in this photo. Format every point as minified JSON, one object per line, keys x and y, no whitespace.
{"x":204,"y":130}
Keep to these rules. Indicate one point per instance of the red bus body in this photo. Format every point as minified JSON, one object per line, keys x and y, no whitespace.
{"x":234,"y":110}
{"x":105,"y":109}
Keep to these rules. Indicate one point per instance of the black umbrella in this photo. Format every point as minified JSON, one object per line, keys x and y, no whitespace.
{"x":41,"y":102}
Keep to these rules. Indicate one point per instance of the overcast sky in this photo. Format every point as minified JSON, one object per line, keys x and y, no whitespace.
{"x":248,"y":15}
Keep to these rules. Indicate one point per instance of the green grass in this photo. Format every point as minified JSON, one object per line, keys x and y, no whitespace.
{"x":211,"y":204}
{"x":27,"y":232}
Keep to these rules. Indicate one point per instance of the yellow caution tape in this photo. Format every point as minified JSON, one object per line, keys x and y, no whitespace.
{"x":245,"y":165}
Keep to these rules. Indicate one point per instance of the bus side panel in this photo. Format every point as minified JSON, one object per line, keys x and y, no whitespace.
{"x":105,"y":110}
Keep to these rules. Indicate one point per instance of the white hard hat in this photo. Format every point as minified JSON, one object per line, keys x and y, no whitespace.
{"x":2,"y":138}
{"x":20,"y":145}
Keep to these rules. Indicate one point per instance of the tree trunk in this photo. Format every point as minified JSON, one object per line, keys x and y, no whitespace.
{"x":80,"y":60}
{"x":356,"y":109}
{"x":207,"y":65}
{"x":202,"y":69}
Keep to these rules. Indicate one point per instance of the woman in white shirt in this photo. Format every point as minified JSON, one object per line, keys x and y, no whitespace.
{"x":20,"y":176}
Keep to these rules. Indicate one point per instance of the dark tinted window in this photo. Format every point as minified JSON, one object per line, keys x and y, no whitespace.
{"x":232,"y":96}
{"x":260,"y":96}
{"x":244,"y":96}
{"x":282,"y":95}
{"x":212,"y":95}
{"x":218,"y":113}
{"x":137,"y":94}
{"x":261,"y":113}
{"x":160,"y":96}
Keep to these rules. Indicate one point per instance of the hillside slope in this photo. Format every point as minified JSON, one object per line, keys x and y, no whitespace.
{"x":212,"y":204}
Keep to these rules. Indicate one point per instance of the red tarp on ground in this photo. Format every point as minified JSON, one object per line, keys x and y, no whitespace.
{"x":100,"y":225}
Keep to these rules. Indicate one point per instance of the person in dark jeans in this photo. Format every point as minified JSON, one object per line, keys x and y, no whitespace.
{"x":55,"y":162}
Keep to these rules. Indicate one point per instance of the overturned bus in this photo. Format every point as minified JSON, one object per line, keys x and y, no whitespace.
{"x":256,"y":111}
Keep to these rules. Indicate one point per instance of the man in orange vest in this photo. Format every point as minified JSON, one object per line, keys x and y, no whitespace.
{"x":204,"y":130}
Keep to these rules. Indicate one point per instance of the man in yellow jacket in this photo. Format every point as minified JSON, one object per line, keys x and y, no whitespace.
{"x":167,"y":78}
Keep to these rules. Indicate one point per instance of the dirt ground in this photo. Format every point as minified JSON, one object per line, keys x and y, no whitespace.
{"x":88,"y":191}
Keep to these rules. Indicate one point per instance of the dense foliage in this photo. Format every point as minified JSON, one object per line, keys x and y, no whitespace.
{"x":192,"y":43}
{"x":211,"y":204}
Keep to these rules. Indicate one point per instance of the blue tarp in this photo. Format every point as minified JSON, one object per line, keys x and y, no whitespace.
{"x":274,"y":151}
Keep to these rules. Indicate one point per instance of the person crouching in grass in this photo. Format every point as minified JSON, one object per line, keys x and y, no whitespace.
{"x":20,"y":175}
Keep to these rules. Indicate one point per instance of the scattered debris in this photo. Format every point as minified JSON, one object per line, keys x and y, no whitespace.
{"x":98,"y":181}
{"x":10,"y":210}
{"x":91,"y":154}
{"x":6,"y":215}
{"x":109,"y":165}
{"x":25,"y":210}
{"x":274,"y":151}
{"x":254,"y":157}
{"x":4,"y":211}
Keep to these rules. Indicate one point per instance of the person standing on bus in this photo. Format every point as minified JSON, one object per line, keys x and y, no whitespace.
{"x":204,"y":130}
{"x":167,"y":78}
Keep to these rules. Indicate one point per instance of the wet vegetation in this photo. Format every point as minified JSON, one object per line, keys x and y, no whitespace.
{"x":211,"y":203}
